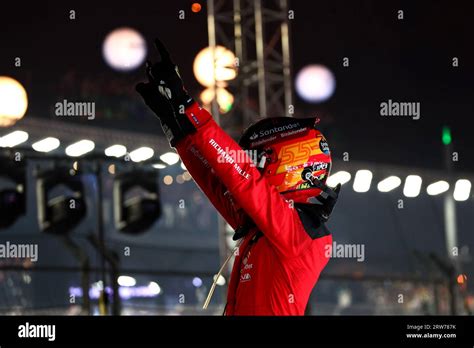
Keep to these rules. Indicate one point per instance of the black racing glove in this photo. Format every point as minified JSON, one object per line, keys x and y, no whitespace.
{"x":165,"y":73}
{"x":328,"y":201}
{"x":162,"y":107}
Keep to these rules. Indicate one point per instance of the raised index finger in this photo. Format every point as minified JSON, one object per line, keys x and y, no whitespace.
{"x":165,"y":56}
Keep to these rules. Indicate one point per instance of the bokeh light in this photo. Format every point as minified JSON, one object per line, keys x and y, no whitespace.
{"x":168,"y":180}
{"x":222,"y":69}
{"x":461,"y":279}
{"x":196,"y":7}
{"x":124,"y":49}
{"x":225,"y":99}
{"x":13,"y":101}
{"x":315,"y":83}
{"x":197,"y":282}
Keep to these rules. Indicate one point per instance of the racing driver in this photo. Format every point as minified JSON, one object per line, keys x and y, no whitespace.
{"x":274,"y":196}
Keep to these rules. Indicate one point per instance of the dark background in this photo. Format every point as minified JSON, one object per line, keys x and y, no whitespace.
{"x":407,"y":60}
{"x":402,"y":60}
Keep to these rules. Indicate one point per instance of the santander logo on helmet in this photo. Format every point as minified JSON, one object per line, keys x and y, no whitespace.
{"x":253,"y":136}
{"x":265,"y":132}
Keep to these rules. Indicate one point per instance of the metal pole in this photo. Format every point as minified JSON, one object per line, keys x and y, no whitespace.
{"x":211,"y":28}
{"x":450,"y":225}
{"x":450,"y":230}
{"x":103,"y":299}
{"x":239,"y":48}
{"x":262,"y":94}
{"x":80,"y":255}
{"x":241,"y":55}
{"x":450,"y":210}
{"x":285,"y":47}
{"x":113,"y":260}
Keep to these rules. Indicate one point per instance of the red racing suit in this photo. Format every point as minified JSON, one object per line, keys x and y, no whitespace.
{"x":280,"y":259}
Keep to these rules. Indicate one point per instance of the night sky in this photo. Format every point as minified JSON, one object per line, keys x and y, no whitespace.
{"x":407,"y":60}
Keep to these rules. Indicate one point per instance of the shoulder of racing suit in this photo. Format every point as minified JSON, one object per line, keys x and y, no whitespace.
{"x":310,"y":216}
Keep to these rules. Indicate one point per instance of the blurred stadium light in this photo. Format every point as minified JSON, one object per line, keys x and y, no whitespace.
{"x":80,"y":148}
{"x":437,"y":188}
{"x":46,"y":145}
{"x":159,"y":166}
{"x":126,"y":281}
{"x":412,"y":186}
{"x":14,"y":138}
{"x":170,"y":158}
{"x":116,"y":151}
{"x":362,"y":180}
{"x":389,"y":184}
{"x":462,"y":190}
{"x":142,"y":154}
{"x":340,"y":177}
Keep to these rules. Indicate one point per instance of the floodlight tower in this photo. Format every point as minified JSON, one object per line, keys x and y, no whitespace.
{"x":258,"y":32}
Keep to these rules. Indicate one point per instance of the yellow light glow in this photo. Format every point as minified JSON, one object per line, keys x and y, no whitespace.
{"x":13,"y":101}
{"x":225,"y":99}
{"x":168,"y":180}
{"x":187,"y":176}
{"x":223,"y":69}
{"x":111,"y":169}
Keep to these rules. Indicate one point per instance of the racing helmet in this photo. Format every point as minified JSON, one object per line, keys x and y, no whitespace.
{"x":291,"y":154}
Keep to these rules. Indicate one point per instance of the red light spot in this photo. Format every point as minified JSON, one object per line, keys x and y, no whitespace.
{"x":196,"y":7}
{"x":462,"y":278}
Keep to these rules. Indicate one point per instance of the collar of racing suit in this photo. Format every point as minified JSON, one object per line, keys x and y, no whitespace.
{"x":310,"y":215}
{"x":243,"y":229}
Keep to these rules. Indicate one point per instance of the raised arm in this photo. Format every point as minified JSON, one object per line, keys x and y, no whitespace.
{"x":196,"y":129}
{"x":208,"y":182}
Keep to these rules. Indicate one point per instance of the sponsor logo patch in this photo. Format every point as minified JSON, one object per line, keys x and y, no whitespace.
{"x":323,"y":145}
{"x":254,"y":136}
